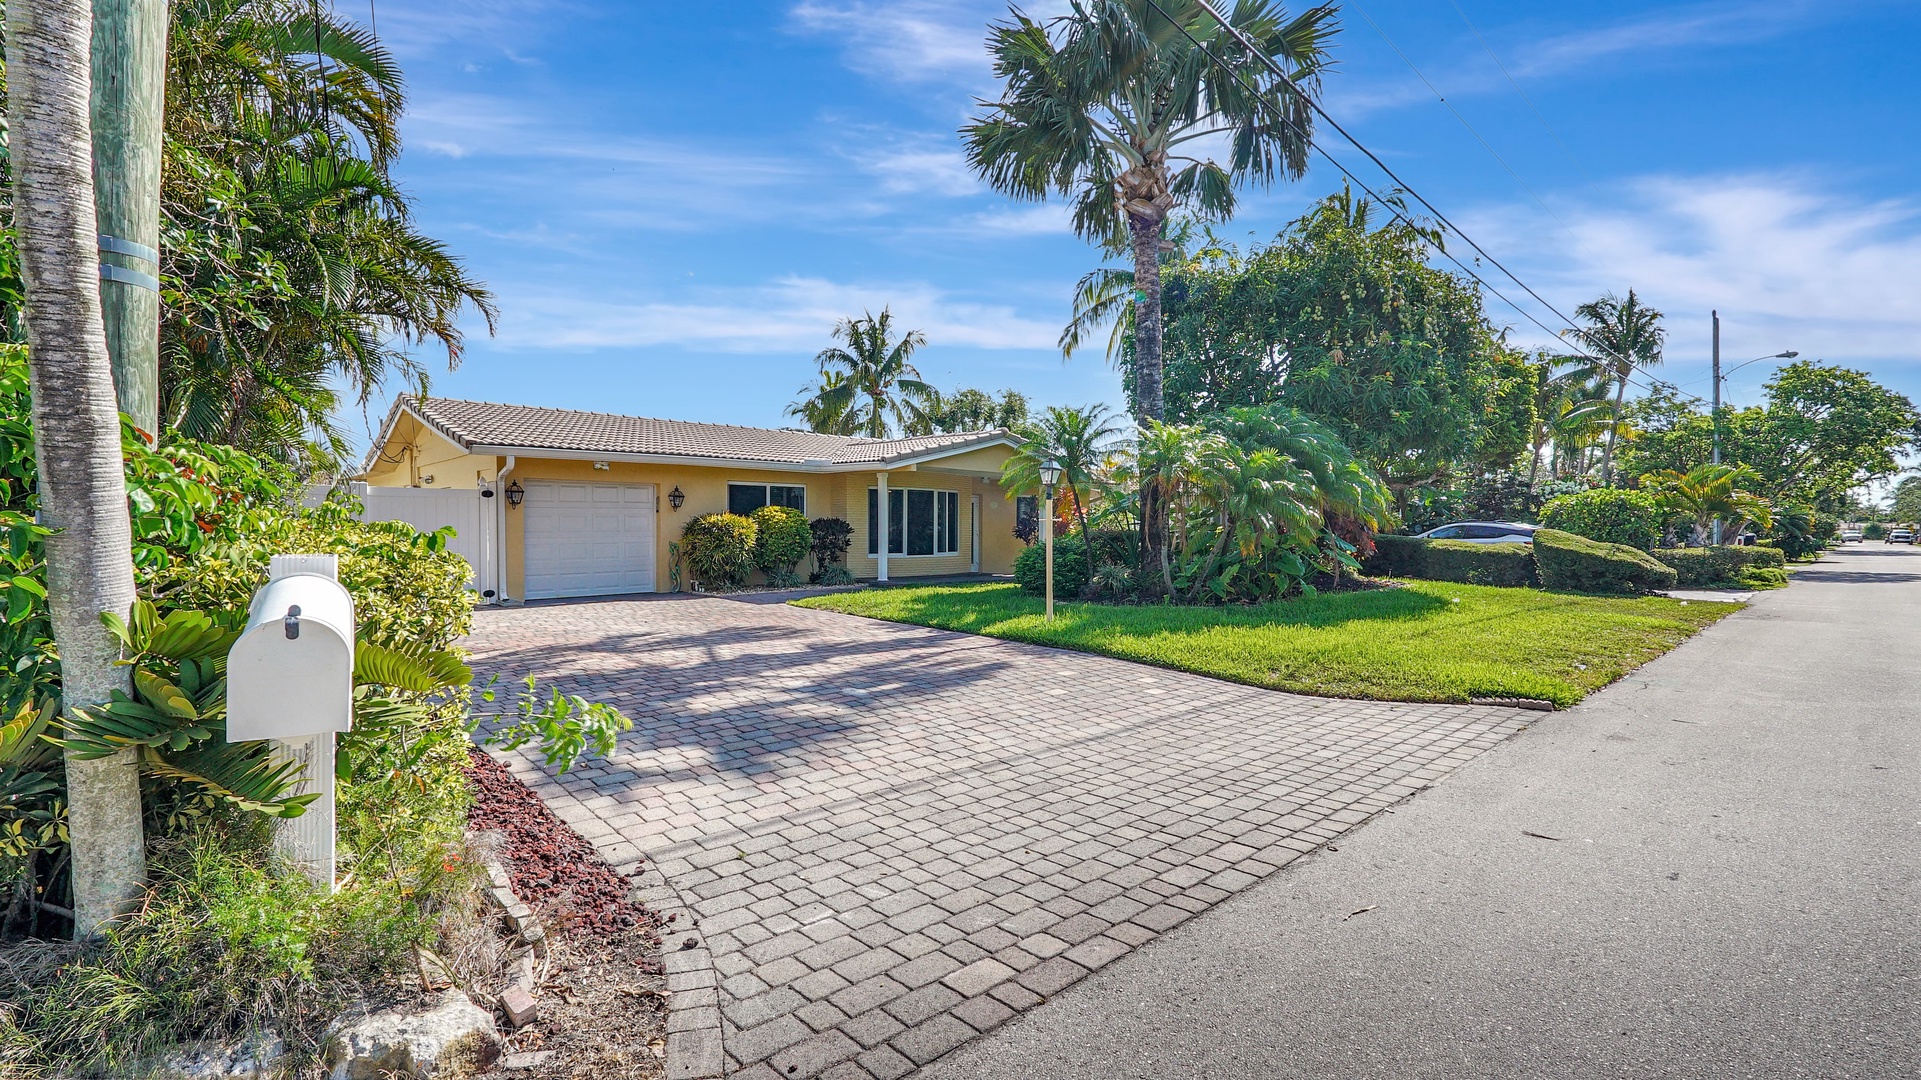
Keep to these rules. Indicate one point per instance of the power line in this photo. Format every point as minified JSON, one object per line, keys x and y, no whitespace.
{"x":1395,"y":177}
{"x":1545,"y":126}
{"x":1471,"y":130}
{"x":1349,"y":174}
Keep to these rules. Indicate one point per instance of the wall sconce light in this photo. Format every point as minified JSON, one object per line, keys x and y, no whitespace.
{"x":675,"y":498}
{"x":515,"y":493}
{"x":428,"y":479}
{"x":602,"y":466}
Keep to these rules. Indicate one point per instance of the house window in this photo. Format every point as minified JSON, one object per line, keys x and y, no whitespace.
{"x":920,"y":521}
{"x":744,"y":499}
{"x":1027,"y":518}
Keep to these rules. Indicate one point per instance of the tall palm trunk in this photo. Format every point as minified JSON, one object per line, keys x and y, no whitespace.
{"x":1614,"y":424}
{"x":1148,"y":401}
{"x":82,"y":484}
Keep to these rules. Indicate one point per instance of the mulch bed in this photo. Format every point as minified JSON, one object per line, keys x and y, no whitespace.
{"x":603,"y":1004}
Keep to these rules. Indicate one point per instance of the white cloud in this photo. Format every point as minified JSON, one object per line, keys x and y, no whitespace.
{"x":1790,"y":264}
{"x":908,"y":41}
{"x":789,"y":314}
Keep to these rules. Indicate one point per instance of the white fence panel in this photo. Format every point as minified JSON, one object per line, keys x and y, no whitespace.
{"x":429,"y":509}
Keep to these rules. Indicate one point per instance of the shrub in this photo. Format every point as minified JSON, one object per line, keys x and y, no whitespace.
{"x":1702,"y":566}
{"x":833,"y":574}
{"x":1510,"y":565}
{"x":1396,"y":556}
{"x":1609,"y":515}
{"x":781,"y":539}
{"x":1111,"y":546}
{"x":1575,"y":563}
{"x":831,"y":538}
{"x":1874,"y":531}
{"x":719,"y":549}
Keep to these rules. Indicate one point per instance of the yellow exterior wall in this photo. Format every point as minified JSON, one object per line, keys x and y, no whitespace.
{"x":415,"y":451}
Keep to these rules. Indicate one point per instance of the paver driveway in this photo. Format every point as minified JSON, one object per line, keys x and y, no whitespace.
{"x":892,"y":838}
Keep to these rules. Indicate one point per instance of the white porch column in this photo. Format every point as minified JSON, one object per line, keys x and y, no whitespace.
{"x":881,"y":504}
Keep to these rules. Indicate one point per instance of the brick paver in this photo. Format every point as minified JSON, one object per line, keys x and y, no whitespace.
{"x":894,"y":837}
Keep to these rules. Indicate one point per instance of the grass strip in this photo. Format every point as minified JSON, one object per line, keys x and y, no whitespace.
{"x":1424,"y":641}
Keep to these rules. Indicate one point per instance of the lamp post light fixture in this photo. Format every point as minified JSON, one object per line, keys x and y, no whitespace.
{"x":1050,"y":475}
{"x":515,"y":493}
{"x":675,"y":497}
{"x":1721,"y":377}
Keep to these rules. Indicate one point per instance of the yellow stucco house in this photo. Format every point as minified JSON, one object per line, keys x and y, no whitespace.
{"x":556,"y":502}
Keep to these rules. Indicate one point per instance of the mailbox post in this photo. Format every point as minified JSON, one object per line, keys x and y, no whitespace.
{"x":290,"y":680}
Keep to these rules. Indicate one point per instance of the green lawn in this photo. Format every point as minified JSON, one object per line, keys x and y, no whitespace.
{"x":1426,"y":641}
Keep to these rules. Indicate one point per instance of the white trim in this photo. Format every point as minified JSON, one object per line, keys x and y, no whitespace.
{"x":974,"y":523}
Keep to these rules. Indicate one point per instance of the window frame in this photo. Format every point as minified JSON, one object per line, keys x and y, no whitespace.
{"x":767,"y":494}
{"x":946,"y":523}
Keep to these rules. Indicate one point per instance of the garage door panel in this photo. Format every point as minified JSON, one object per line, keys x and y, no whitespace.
{"x":586,"y":539}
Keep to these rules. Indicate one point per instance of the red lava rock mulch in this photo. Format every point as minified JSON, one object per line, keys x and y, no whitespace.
{"x":552,"y":866}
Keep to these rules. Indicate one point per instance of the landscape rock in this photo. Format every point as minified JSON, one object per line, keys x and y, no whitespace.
{"x":454,"y":1037}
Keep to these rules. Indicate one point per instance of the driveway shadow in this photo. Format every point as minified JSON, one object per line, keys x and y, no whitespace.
{"x":782,"y":688}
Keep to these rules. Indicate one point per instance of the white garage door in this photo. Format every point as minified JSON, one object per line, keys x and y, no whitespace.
{"x":588,"y":539}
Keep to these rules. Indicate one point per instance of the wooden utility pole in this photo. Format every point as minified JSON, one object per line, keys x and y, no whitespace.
{"x":129,"y":93}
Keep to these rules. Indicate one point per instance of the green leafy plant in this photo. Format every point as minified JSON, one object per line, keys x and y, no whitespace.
{"x":719,"y":549}
{"x":781,"y":539}
{"x":829,"y":539}
{"x":176,"y":717}
{"x":1609,"y":515}
{"x":1704,"y":566}
{"x":1577,"y":564}
{"x":565,"y":725}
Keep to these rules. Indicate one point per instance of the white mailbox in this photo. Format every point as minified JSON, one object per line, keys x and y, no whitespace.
{"x":290,"y":679}
{"x":292,"y":671}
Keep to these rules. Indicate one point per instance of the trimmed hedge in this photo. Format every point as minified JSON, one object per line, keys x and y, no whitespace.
{"x":719,"y":549}
{"x":1700,"y":566}
{"x":781,"y":538}
{"x":1451,"y":560}
{"x":1575,"y":563}
{"x":1608,"y":515}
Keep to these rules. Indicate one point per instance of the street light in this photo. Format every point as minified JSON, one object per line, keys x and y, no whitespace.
{"x":1050,"y":475}
{"x":1721,"y":377}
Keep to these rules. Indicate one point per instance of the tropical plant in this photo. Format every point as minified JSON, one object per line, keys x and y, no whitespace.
{"x":1621,"y":335}
{"x":869,"y":385}
{"x":81,"y":485}
{"x":719,"y":549}
{"x":829,"y":539}
{"x":1343,"y":317}
{"x":1570,"y":407}
{"x":1577,"y":564}
{"x":1079,"y":441}
{"x":1708,"y":494}
{"x":1113,"y":104}
{"x":291,"y":262}
{"x":781,"y":539}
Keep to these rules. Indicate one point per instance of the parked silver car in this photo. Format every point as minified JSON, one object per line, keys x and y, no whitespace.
{"x":1484,"y":532}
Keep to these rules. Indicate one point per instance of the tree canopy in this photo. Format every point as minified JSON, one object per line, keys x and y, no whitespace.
{"x":1822,"y":432}
{"x":1343,"y":318}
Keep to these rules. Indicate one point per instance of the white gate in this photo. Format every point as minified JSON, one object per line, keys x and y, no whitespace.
{"x":470,"y":512}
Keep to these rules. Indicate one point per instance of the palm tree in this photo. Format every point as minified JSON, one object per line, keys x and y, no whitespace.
{"x":1112,"y":104}
{"x":1570,"y":404}
{"x":871,"y":387}
{"x":1707,"y":493}
{"x":82,"y":486}
{"x":1080,"y":440}
{"x":1623,"y":335}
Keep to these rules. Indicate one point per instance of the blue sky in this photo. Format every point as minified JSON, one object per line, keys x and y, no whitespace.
{"x":675,"y":202}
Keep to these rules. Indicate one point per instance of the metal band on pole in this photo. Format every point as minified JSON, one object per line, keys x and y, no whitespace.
{"x":130,"y":249}
{"x":110,"y":272}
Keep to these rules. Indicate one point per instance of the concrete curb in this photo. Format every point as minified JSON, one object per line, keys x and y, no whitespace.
{"x":694,"y":1050}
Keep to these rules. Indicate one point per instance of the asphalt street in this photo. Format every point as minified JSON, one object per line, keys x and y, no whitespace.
{"x":1710,"y":869}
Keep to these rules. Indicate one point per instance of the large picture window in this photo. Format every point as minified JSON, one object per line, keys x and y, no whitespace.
{"x":920,"y":521}
{"x":744,"y":499}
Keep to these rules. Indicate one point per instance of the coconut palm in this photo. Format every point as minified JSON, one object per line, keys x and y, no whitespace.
{"x":1080,"y":441}
{"x":1571,"y":410}
{"x":871,"y":386}
{"x":1114,"y":107}
{"x":1622,"y":335}
{"x":82,"y":487}
{"x":1710,"y":493}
